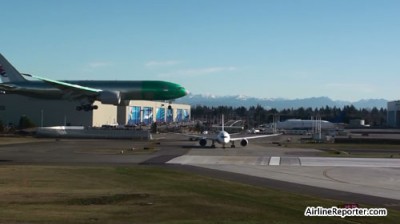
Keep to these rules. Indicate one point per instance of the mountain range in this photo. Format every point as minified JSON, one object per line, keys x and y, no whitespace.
{"x":277,"y":103}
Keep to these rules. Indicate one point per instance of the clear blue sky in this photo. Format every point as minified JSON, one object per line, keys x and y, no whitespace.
{"x":343,"y":49}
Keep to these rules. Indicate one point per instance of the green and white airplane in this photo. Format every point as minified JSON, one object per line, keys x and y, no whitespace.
{"x":86,"y":92}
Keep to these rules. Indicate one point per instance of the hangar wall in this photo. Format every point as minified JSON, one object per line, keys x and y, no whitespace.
{"x":393,"y":114}
{"x":62,"y":112}
{"x":41,"y":112}
{"x":106,"y":114}
{"x":141,"y":111}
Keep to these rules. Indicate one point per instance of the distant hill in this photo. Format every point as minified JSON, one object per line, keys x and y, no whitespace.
{"x":277,"y":103}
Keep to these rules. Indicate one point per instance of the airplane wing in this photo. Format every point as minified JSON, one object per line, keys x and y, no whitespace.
{"x":72,"y":90}
{"x":256,"y":136}
{"x":197,"y":137}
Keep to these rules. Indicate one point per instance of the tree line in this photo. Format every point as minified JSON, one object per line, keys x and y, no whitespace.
{"x":257,"y":115}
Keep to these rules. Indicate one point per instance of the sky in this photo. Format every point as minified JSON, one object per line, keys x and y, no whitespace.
{"x":342,"y":49}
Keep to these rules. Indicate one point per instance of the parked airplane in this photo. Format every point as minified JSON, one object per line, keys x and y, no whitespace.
{"x":224,"y":138}
{"x":86,"y":92}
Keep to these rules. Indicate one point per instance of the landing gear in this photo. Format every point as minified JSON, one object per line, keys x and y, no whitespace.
{"x":233,"y":145}
{"x":87,"y":107}
{"x":169,"y":105}
{"x":212,"y":144}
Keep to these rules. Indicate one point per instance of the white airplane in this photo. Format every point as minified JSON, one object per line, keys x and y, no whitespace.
{"x":224,"y":138}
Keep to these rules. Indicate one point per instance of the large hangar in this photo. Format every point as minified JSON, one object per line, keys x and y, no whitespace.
{"x":393,"y":114}
{"x":146,"y":112}
{"x":62,"y":112}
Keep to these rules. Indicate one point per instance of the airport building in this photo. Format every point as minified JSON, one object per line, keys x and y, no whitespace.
{"x":147,"y":112}
{"x":299,"y":124}
{"x":393,"y":114}
{"x":44,"y":113}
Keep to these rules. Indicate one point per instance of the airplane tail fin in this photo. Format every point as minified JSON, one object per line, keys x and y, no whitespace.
{"x":223,"y":123}
{"x":8,"y":73}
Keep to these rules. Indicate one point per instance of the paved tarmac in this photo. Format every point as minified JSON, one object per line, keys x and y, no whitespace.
{"x":286,"y":161}
{"x":370,"y":181}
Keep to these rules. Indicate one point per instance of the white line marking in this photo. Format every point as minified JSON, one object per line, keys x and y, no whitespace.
{"x":275,"y":161}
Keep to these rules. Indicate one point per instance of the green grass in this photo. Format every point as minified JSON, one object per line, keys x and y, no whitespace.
{"x":20,"y":140}
{"x":140,"y":194}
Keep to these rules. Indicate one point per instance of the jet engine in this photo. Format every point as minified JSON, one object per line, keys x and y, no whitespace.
{"x":203,"y":142}
{"x":244,"y":142}
{"x":110,"y":97}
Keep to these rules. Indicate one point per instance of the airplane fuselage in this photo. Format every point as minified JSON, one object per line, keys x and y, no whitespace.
{"x":86,"y":92}
{"x":129,"y":90}
{"x":223,"y":137}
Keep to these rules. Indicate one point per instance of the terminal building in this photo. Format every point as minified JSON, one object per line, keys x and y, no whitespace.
{"x":393,"y":114}
{"x":44,"y":113}
{"x":298,"y":124}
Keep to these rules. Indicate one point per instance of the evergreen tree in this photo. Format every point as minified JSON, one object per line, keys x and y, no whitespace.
{"x":25,"y":122}
{"x":256,"y":115}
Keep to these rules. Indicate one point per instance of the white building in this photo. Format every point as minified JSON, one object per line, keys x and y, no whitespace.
{"x":299,"y":124}
{"x":62,"y":112}
{"x":393,"y":114}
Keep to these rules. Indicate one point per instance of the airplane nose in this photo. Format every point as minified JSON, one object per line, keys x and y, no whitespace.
{"x":187,"y":92}
{"x":182,"y":91}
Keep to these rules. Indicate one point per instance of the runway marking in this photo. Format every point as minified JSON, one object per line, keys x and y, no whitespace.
{"x":264,"y":161}
{"x":275,"y":161}
{"x":325,"y":173}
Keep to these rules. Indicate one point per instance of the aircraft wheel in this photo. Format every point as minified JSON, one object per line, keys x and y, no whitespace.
{"x":87,"y":107}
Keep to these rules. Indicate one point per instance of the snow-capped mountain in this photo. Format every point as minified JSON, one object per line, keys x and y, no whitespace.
{"x":277,"y":103}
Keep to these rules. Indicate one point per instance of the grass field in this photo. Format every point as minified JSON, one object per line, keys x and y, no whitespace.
{"x":140,"y":194}
{"x":19,"y":140}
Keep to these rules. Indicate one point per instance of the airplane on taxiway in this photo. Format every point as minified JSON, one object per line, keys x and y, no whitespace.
{"x":223,"y":137}
{"x":86,"y":92}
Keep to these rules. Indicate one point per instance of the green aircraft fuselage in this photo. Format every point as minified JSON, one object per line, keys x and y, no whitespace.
{"x":129,"y":90}
{"x":85,"y":92}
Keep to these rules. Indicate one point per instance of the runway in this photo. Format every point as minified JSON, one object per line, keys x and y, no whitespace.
{"x":371,"y":176}
{"x":361,"y":180}
{"x":349,"y":179}
{"x":286,"y":161}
